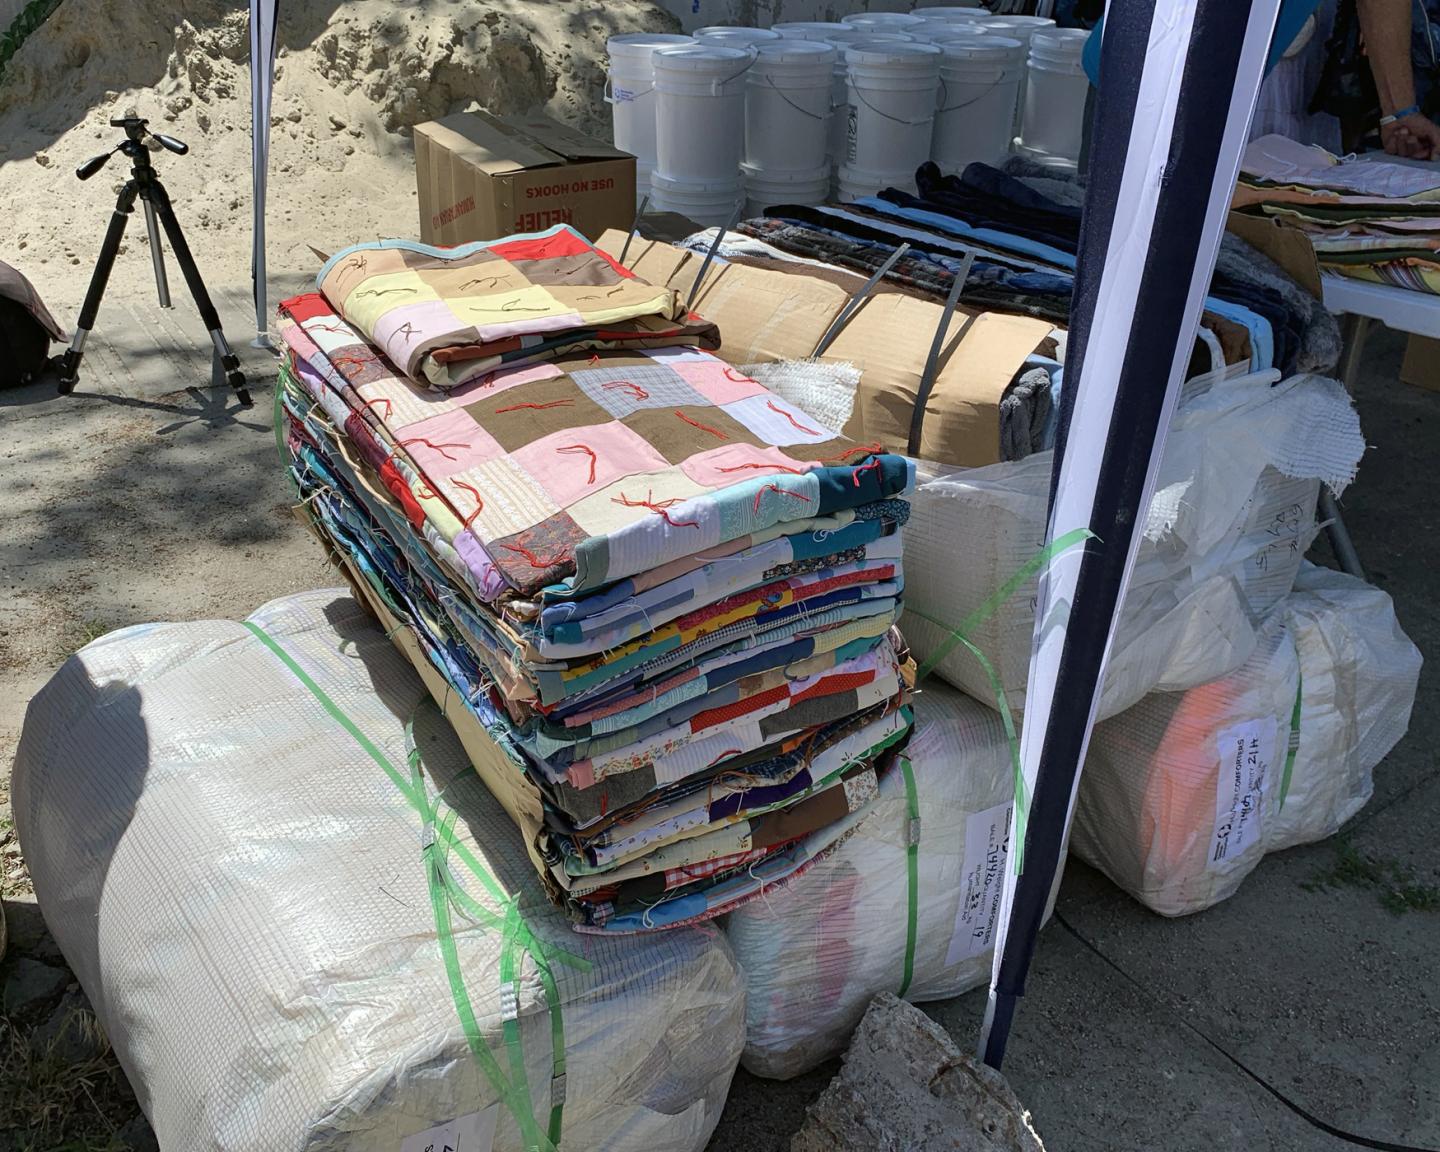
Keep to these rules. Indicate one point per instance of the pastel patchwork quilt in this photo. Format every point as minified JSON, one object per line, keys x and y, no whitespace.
{"x":446,"y":315}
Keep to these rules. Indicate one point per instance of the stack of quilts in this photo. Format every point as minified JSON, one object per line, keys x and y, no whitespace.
{"x":666,"y":594}
{"x":1373,"y":220}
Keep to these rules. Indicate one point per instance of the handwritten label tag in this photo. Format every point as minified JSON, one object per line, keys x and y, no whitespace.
{"x":1246,"y":753}
{"x":472,"y":1133}
{"x":987,"y":847}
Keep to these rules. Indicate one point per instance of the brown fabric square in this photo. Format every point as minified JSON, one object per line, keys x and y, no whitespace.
{"x":833,"y":452}
{"x":571,"y":271}
{"x":680,"y":433}
{"x":424,"y":262}
{"x":520,"y":415}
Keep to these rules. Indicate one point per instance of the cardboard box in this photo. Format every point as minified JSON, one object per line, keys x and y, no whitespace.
{"x":481,"y":178}
{"x":1285,"y":244}
{"x":765,"y":316}
{"x":1421,"y":366}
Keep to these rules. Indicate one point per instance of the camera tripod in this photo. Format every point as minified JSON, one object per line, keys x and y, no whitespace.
{"x":145,"y":183}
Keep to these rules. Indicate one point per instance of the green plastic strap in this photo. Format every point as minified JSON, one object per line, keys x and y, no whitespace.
{"x":1293,"y":744}
{"x":912,"y":870}
{"x":960,"y":636}
{"x":1000,"y":595}
{"x":516,"y":936}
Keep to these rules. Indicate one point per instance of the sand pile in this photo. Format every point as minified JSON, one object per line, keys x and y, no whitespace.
{"x":353,"y":77}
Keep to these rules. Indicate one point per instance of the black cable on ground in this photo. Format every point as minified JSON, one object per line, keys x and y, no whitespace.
{"x":1298,"y":1109}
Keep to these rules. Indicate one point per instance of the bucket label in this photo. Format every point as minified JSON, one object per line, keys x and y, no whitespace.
{"x":1246,"y":752}
{"x":982,"y":877}
{"x":851,"y":115}
{"x":624,"y":95}
{"x":472,"y":1133}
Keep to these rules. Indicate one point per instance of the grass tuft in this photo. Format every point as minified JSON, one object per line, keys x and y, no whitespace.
{"x":1395,"y":885}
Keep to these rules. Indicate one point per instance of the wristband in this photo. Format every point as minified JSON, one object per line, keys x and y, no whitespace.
{"x":1400,"y":115}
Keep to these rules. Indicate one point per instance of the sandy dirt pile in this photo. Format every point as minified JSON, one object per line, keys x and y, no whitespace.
{"x":353,"y":77}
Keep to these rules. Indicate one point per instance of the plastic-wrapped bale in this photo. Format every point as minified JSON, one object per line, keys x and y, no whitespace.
{"x":305,"y":924}
{"x":905,"y":904}
{"x":1231,"y":519}
{"x":1184,"y":793}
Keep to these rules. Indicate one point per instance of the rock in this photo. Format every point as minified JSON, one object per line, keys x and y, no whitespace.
{"x":31,"y":986}
{"x":71,"y":1030}
{"x":137,"y":1136}
{"x":906,"y":1087}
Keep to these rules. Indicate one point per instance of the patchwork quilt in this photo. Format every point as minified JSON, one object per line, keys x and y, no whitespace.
{"x":589,"y":470}
{"x":447,"y":315}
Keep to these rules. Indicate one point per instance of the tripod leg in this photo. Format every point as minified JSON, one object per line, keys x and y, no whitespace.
{"x":228,"y":360}
{"x":70,"y":362}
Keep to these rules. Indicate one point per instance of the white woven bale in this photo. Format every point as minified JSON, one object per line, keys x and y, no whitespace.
{"x":1181,"y":794}
{"x":818,"y":948}
{"x":246,"y":896}
{"x":1232,"y":517}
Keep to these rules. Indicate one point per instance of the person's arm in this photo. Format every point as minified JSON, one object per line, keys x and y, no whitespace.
{"x":1385,"y":25}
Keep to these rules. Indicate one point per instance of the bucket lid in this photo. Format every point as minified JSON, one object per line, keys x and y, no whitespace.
{"x":953,"y":12}
{"x":734,"y":36}
{"x":1025,"y":24}
{"x":1063,"y":43}
{"x":871,"y":52}
{"x":786,"y":51}
{"x":940,"y":33}
{"x":705,"y":59}
{"x":762,"y":176}
{"x":639,"y":45}
{"x":990,"y":47}
{"x":733,"y":187}
{"x":881,"y":20}
{"x":851,"y":35}
{"x":807,"y":29}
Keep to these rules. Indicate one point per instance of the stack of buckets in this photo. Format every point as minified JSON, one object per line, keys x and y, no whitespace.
{"x":787,"y":124}
{"x":1053,"y":121}
{"x":842,"y":38}
{"x":765,"y":116}
{"x":632,"y":98}
{"x":979,"y":90}
{"x":700,"y":130}
{"x":890,"y":115}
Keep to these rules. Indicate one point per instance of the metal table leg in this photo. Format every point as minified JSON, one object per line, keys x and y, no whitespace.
{"x":1356,"y":328}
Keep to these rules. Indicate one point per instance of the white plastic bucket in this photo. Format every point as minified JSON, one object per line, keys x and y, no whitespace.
{"x":1018,"y":28}
{"x":853,"y":183}
{"x":840,"y":94}
{"x":631,"y":94}
{"x":882,"y":21}
{"x":710,"y":203}
{"x":807,"y":29}
{"x":979,"y":84}
{"x":762,"y":189}
{"x":734,"y":37}
{"x":787,"y":105}
{"x":700,"y":113}
{"x":890,"y":116}
{"x":1055,"y":90}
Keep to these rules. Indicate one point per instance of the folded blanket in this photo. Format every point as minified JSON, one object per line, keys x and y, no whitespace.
{"x":445,"y":315}
{"x":588,"y":470}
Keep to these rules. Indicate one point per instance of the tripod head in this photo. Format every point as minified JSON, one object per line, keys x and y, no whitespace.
{"x":133,"y":146}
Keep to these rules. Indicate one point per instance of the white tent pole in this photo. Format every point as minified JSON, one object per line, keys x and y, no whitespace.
{"x":263,"y":15}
